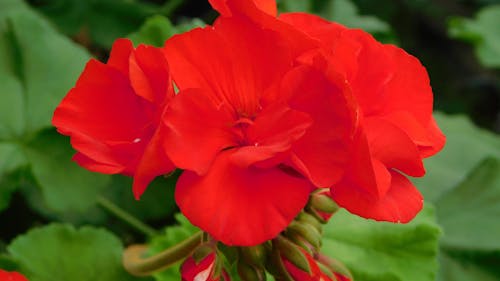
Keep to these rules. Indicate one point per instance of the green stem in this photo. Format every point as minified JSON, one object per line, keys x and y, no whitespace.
{"x":126,"y":217}
{"x":137,"y":265}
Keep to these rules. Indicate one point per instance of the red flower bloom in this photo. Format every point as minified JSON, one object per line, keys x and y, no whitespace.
{"x":113,"y":114}
{"x":202,"y":271}
{"x":396,"y":128}
{"x":394,"y":106}
{"x":249,"y":128}
{"x":11,"y":276}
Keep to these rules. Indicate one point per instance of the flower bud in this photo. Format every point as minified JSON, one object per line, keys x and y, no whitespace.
{"x":293,"y":254}
{"x":250,"y":273}
{"x":311,"y":220}
{"x":340,"y":271}
{"x":255,"y":255}
{"x":298,"y":274}
{"x":321,"y":205}
{"x":306,"y":231}
{"x":204,"y":270}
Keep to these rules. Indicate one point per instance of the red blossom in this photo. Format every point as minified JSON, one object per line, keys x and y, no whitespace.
{"x":251,"y":129}
{"x":11,"y":276}
{"x":396,"y":128}
{"x":393,"y":104}
{"x":113,"y":114}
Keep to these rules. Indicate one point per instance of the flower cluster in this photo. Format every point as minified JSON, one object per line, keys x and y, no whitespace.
{"x":259,"y":111}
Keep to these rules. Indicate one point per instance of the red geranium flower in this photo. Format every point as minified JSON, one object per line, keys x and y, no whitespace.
{"x":394,"y":105}
{"x":250,"y":127}
{"x":11,"y":276}
{"x":396,"y":128}
{"x":113,"y":114}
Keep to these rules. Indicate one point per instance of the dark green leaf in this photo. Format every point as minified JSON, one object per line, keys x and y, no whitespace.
{"x":102,"y":21}
{"x":156,"y":203}
{"x":379,"y":251}
{"x":61,"y":252}
{"x":65,"y":185}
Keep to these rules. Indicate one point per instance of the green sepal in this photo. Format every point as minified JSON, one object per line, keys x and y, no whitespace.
{"x":255,"y":255}
{"x":293,"y":254}
{"x":307,"y":231}
{"x":250,"y":273}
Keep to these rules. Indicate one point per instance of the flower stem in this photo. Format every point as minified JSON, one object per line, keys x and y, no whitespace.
{"x":137,"y":265}
{"x":126,"y":217}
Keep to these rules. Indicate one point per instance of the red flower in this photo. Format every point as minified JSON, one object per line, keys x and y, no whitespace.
{"x":11,"y":276}
{"x":393,"y":97}
{"x":250,"y":128}
{"x":202,"y":271}
{"x":396,"y":128}
{"x":113,"y":114}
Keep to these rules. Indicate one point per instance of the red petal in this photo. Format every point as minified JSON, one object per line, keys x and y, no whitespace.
{"x":154,"y":162}
{"x":226,"y":62}
{"x":239,"y":206}
{"x":119,"y":55}
{"x":274,"y":131}
{"x":149,"y":75}
{"x":244,"y":6}
{"x":322,"y":152}
{"x":198,"y":130}
{"x":102,"y":105}
{"x":401,"y":203}
{"x":393,"y":147}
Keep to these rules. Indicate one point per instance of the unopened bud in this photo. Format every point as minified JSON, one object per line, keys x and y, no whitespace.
{"x":292,"y":253}
{"x":310,"y":219}
{"x":250,"y":273}
{"x":321,"y":205}
{"x":335,"y":266}
{"x":255,"y":255}
{"x":306,"y":231}
{"x":202,"y":252}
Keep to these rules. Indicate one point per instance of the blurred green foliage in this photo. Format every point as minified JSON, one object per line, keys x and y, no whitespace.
{"x":44,"y":45}
{"x":482,"y":32}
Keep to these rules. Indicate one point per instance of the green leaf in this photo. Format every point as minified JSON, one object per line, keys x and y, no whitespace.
{"x":172,"y":236}
{"x":156,"y":203}
{"x":346,"y":12}
{"x":38,"y":74}
{"x":157,"y":29}
{"x":11,"y":157}
{"x":99,"y":21}
{"x":66,"y":186}
{"x":37,"y":67}
{"x":380,"y":251}
{"x":469,"y":214}
{"x":450,"y":166}
{"x":61,"y":252}
{"x":482,"y":32}
{"x":154,"y":31}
